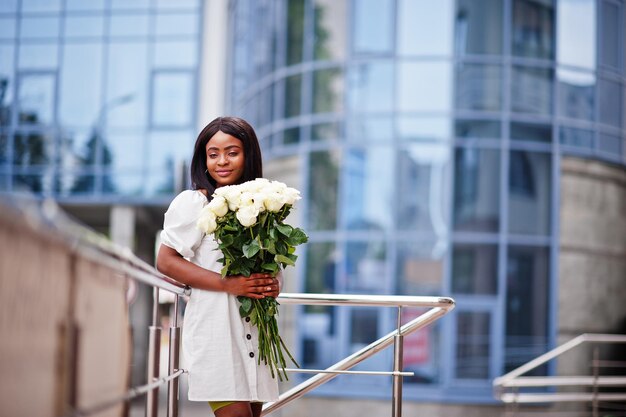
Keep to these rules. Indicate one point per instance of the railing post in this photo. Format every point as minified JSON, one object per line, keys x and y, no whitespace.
{"x":596,"y":368}
{"x":172,"y":387}
{"x":154,"y":355}
{"x":396,"y":409}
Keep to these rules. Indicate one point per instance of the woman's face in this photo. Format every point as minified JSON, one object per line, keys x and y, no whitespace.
{"x":224,"y":159}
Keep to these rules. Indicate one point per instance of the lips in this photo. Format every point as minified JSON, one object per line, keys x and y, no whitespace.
{"x":223,"y":173}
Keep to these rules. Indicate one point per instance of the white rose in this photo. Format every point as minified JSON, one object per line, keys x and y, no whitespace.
{"x":291,"y":195}
{"x":247,"y":215}
{"x":276,"y":187}
{"x":207,"y":221}
{"x":231,"y":193}
{"x":218,"y":206}
{"x":259,"y":201}
{"x":245,"y":199}
{"x":256,"y":185}
{"x":274,"y":202}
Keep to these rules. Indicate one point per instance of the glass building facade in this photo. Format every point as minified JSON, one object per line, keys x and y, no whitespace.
{"x":97,"y":98}
{"x":430,"y":136}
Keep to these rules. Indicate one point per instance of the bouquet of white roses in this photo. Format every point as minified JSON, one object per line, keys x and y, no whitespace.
{"x":247,"y":221}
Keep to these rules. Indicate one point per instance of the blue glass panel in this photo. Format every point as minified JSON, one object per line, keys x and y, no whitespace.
{"x":7,"y":28}
{"x":323,"y":190}
{"x":422,"y":201}
{"x":576,"y":33}
{"x":33,"y":150}
{"x":369,"y":199}
{"x":477,"y":190}
{"x":125,"y":151}
{"x":4,"y":149}
{"x":478,"y":27}
{"x":84,"y":26}
{"x":369,"y":87}
{"x":330,"y":27}
{"x":129,"y":4}
{"x":424,"y":86}
{"x":533,"y":29}
{"x":327,"y":90}
{"x":423,"y":128}
{"x":610,"y":96}
{"x":172,"y":98}
{"x":576,"y":94}
{"x":176,"y":24}
{"x":8,"y":6}
{"x":370,"y":129}
{"x":576,"y":137}
{"x":80,"y":85}
{"x":39,"y":182}
{"x":420,"y":267}
{"x":295,"y":31}
{"x":425,"y":28}
{"x":478,"y":87}
{"x":7,"y":80}
{"x":610,"y":144}
{"x":475,"y":269}
{"x":531,"y":90}
{"x":127,"y":83}
{"x":82,"y":5}
{"x":130,"y":184}
{"x":36,"y":99}
{"x":366,"y":267}
{"x":175,"y":54}
{"x":130,"y":25}
{"x":527,"y":295}
{"x":39,"y":27}
{"x":77,"y":150}
{"x":373,"y":28}
{"x":332,"y":131}
{"x":473,"y":347}
{"x":41,"y":5}
{"x":168,"y":148}
{"x":532,"y":132}
{"x":38,"y":56}
{"x":530,"y":185}
{"x":293,"y":95}
{"x":81,"y":183}
{"x":177,"y":4}
{"x":477,"y":129}
{"x":611,"y":35}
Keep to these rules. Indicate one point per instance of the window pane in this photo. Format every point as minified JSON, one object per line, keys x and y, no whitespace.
{"x":327,"y":131}
{"x":321,"y":263}
{"x":83,"y":26}
{"x":129,"y":4}
{"x":532,"y":132}
{"x":423,"y":86}
{"x":531,"y":90}
{"x":327,"y":91}
{"x":529,"y":193}
{"x":330,"y":27}
{"x":576,"y":33}
{"x":37,"y":56}
{"x":611,"y":33}
{"x":293,"y":94}
{"x":177,"y":24}
{"x":84,"y":5}
{"x":7,"y":80}
{"x":373,"y":26}
{"x":39,"y":27}
{"x":7,"y":28}
{"x":33,"y":150}
{"x":533,"y":29}
{"x":130,"y":25}
{"x":177,"y":4}
{"x":611,"y":98}
{"x":4,"y":149}
{"x":172,"y":99}
{"x":475,"y":269}
{"x":526,"y":305}
{"x":39,"y":182}
{"x":126,"y":104}
{"x":369,"y":87}
{"x":425,"y":27}
{"x":365,"y":170}
{"x":322,"y":193}
{"x":166,"y":150}
{"x":473,"y":349}
{"x":610,"y":144}
{"x":576,"y":137}
{"x":365,"y":267}
{"x":295,"y":31}
{"x":292,"y":135}
{"x":477,"y":129}
{"x":478,"y":27}
{"x":124,"y":152}
{"x":477,"y":190}
{"x":175,"y":54}
{"x":415,"y":129}
{"x":420,"y":267}
{"x":123,"y":183}
{"x":76,"y":152}
{"x":422,"y":177}
{"x":8,"y":6}
{"x":479,"y":87}
{"x":576,"y":94}
{"x":81,"y":107}
{"x":41,"y":5}
{"x":36,"y":99}
{"x":370,"y":129}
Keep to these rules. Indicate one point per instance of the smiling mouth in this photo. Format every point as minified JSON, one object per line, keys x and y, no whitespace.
{"x":223,"y":173}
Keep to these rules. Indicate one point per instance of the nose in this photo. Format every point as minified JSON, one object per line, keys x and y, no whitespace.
{"x":222,"y":160}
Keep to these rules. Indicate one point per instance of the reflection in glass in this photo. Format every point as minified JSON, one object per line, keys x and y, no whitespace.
{"x":7,"y":79}
{"x":533,"y":132}
{"x":365,"y":267}
{"x":39,"y":181}
{"x":291,"y":135}
{"x":80,"y":107}
{"x":478,"y":27}
{"x":417,"y":129}
{"x":172,"y":99}
{"x":38,"y":56}
{"x":293,"y":94}
{"x":33,"y":150}
{"x":84,"y":5}
{"x":177,"y":4}
{"x":370,"y":129}
{"x":368,"y":201}
{"x":477,"y":190}
{"x":329,"y":27}
{"x":533,"y":29}
{"x":473,"y":349}
{"x":422,"y":198}
{"x":129,"y":25}
{"x":475,"y":269}
{"x":322,"y":192}
{"x":327,"y":131}
{"x":295,"y":31}
{"x":83,"y":26}
{"x":526,"y":306}
{"x":39,"y":27}
{"x":419,"y":268}
{"x":611,"y":35}
{"x":576,"y":94}
{"x":179,"y":24}
{"x":610,"y":98}
{"x":373,"y":26}
{"x":369,"y":87}
{"x":7,"y":6}
{"x":425,"y":27}
{"x":168,"y":149}
{"x":4,"y":148}
{"x":363,"y":325}
{"x":36,"y":99}
{"x":327,"y":91}
{"x":130,"y":4}
{"x":478,"y":87}
{"x":576,"y":33}
{"x":7,"y":28}
{"x":531,"y":90}
{"x":127,"y":150}
{"x":424,"y":86}
{"x":123,"y":183}
{"x":576,"y":137}
{"x":477,"y":129}
{"x":610,"y":143}
{"x":530,"y":185}
{"x":175,"y":54}
{"x":40,"y":6}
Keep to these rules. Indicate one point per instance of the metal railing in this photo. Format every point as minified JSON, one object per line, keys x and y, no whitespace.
{"x":508,"y":388}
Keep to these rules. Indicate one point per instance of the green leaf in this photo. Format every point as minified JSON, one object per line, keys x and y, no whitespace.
{"x":251,"y":249}
{"x":270,"y":266}
{"x":297,"y":237}
{"x":224,"y":271}
{"x":227,"y":240}
{"x":284,"y":260}
{"x":273,"y":233}
{"x":246,"y":304}
{"x":284,"y":229}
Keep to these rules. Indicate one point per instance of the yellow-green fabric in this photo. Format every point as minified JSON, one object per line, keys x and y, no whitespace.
{"x":216,"y":405}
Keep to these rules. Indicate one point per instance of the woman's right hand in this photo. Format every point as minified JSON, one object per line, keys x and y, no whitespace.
{"x":255,"y":286}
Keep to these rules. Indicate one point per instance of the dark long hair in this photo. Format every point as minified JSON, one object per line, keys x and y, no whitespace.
{"x":238,"y":128}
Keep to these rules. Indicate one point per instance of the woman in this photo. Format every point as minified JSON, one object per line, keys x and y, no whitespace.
{"x":220,"y":349}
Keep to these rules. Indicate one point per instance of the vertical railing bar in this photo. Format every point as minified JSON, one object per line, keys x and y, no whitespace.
{"x":594,"y":402}
{"x":172,"y":388}
{"x":154,"y":357}
{"x":398,"y":340}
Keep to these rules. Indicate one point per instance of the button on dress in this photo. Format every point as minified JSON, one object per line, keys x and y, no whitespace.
{"x":220,"y":349}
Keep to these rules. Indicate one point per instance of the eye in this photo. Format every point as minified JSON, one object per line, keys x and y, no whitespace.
{"x":233,"y":154}
{"x":212,"y":155}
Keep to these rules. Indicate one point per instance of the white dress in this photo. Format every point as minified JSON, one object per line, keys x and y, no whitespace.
{"x":220,"y":349}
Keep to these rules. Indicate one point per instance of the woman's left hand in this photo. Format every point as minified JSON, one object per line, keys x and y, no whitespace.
{"x":273,"y":290}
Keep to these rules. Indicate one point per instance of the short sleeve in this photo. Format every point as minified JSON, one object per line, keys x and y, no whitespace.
{"x":179,"y":227}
